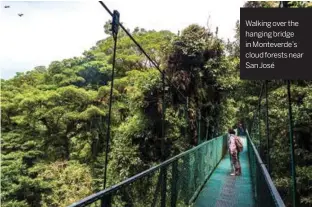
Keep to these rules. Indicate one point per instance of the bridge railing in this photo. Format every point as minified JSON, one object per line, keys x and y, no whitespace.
{"x":175,"y":182}
{"x":265,"y":191}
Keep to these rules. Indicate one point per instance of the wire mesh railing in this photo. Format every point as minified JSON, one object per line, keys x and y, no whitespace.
{"x":175,"y":182}
{"x":265,"y":191}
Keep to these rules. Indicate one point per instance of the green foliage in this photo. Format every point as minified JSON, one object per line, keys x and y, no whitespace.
{"x":67,"y":182}
{"x":54,"y":119}
{"x":125,"y":156}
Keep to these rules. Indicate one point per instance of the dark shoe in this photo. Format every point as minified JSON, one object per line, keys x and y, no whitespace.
{"x":238,"y":171}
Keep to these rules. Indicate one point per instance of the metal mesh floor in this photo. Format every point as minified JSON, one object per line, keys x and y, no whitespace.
{"x":224,"y":190}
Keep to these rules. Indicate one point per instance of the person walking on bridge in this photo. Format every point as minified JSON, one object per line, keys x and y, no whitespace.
{"x":235,"y":147}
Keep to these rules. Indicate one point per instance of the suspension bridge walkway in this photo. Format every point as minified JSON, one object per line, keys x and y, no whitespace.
{"x":222,"y":189}
{"x":199,"y":177}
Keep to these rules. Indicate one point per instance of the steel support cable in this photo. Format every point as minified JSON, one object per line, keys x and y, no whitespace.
{"x":292,"y":150}
{"x":259,"y":118}
{"x":109,"y":112}
{"x":267,"y":126}
{"x":198,"y":128}
{"x":143,"y":51}
{"x":187,"y":119}
{"x":163,"y":120}
{"x":163,"y":172}
{"x":207,"y":126}
{"x":259,"y":126}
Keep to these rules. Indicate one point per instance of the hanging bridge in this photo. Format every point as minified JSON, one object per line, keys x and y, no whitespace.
{"x":200,"y":176}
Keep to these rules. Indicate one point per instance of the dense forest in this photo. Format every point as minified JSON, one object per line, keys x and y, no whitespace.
{"x":54,"y":118}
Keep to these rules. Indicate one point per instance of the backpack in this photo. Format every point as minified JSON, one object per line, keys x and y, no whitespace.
{"x":239,"y":144}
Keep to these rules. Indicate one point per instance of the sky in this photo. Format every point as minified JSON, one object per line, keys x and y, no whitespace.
{"x":56,"y":30}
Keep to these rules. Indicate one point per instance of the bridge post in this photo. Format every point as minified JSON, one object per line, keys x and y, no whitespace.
{"x":106,"y":201}
{"x":174,"y":182}
{"x":163,"y":172}
{"x":198,"y":153}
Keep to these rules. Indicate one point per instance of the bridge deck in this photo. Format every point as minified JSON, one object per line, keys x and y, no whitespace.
{"x":225,"y":190}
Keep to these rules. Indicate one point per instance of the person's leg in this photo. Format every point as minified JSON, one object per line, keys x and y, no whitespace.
{"x":239,"y":169}
{"x":232,"y":165}
{"x":231,"y":162}
{"x":234,"y":162}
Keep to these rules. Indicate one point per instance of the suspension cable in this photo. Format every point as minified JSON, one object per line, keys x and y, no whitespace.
{"x":110,"y":107}
{"x":267,"y":126}
{"x":292,"y":153}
